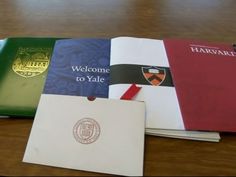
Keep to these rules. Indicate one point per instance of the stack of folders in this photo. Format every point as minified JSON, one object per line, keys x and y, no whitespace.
{"x":183,"y":92}
{"x":179,"y":79}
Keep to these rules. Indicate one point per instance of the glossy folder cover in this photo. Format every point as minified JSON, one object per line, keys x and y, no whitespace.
{"x":23,"y":68}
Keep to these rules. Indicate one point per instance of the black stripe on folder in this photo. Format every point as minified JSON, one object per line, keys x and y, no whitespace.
{"x":140,"y":74}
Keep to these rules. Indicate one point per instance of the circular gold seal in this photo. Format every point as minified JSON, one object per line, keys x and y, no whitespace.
{"x":30,"y":62}
{"x":86,"y":131}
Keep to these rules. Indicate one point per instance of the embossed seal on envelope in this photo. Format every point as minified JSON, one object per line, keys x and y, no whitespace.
{"x":86,"y":131}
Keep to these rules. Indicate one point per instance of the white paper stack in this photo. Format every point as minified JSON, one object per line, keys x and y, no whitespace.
{"x":183,"y":134}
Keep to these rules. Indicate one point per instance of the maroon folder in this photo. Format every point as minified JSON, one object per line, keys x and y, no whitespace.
{"x":204,"y":75}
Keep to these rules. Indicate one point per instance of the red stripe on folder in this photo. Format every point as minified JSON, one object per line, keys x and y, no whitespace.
{"x":131,"y":92}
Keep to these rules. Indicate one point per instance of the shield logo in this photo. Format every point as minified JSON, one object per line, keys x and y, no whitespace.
{"x":30,"y":62}
{"x":86,"y":130}
{"x":154,"y":75}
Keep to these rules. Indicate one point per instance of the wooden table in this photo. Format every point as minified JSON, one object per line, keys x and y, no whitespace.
{"x":211,"y":20}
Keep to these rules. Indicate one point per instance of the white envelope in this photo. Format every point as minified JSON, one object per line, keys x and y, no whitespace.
{"x":103,"y":135}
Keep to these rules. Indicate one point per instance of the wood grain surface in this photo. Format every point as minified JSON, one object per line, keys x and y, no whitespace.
{"x":211,"y":20}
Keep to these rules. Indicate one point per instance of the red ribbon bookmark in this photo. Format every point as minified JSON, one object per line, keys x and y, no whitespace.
{"x":131,"y":92}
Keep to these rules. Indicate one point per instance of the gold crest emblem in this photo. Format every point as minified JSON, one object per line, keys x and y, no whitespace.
{"x":30,"y":62}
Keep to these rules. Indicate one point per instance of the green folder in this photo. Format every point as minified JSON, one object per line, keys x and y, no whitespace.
{"x":23,"y":68}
